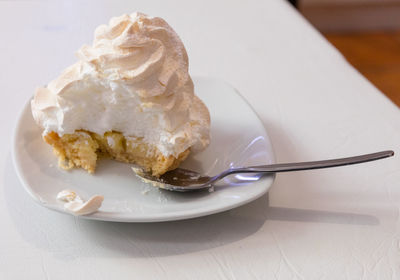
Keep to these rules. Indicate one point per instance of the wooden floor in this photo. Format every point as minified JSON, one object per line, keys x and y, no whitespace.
{"x":376,"y":56}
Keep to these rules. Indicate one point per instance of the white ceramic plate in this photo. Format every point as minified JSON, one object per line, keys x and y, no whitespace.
{"x":238,"y":138}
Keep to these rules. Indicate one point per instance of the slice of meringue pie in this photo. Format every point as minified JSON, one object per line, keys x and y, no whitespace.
{"x":129,"y":97}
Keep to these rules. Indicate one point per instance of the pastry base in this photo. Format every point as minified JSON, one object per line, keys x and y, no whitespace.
{"x":83,"y":148}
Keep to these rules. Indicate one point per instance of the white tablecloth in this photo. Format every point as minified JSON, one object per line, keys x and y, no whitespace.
{"x":339,"y":223}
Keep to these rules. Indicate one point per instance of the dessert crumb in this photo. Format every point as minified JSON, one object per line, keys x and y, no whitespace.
{"x":145,"y":191}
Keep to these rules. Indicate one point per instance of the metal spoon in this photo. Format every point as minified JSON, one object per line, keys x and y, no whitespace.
{"x":183,"y":180}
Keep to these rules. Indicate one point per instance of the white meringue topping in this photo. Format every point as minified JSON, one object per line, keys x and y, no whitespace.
{"x":134,"y":79}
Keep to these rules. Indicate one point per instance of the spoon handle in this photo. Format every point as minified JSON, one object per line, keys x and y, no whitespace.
{"x":286,"y":167}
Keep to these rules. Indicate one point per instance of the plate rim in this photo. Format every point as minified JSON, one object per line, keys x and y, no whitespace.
{"x":158,"y":217}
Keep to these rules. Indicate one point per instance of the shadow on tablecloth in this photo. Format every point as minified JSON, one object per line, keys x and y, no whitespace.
{"x":68,"y":237}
